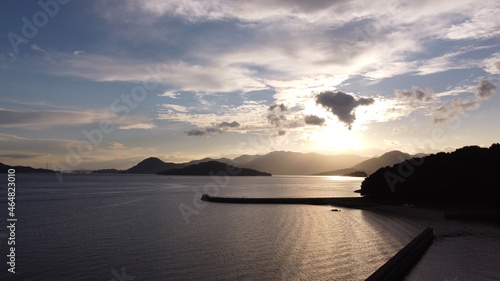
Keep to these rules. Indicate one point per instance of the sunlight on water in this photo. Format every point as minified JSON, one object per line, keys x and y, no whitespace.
{"x":90,"y":227}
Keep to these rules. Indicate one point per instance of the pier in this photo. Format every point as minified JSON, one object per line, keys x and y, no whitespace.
{"x":398,"y":266}
{"x":350,"y":202}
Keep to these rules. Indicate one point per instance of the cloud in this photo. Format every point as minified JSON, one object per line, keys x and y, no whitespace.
{"x":446,"y":113}
{"x":255,"y":10}
{"x":116,"y":145}
{"x":143,"y":126}
{"x":79,"y":53}
{"x":484,"y":23}
{"x":24,"y":155}
{"x":204,"y":75}
{"x":416,"y":96}
{"x":36,"y":48}
{"x":177,"y":108}
{"x":224,"y":124}
{"x":342,"y":105}
{"x":216,"y":128}
{"x":196,"y":132}
{"x":314,"y":120}
{"x":249,"y":114}
{"x":276,"y":120}
{"x":281,"y":107}
{"x":203,"y":133}
{"x":40,"y":119}
{"x":485,"y":90}
{"x":170,"y":94}
{"x":14,"y":145}
{"x":9,"y":137}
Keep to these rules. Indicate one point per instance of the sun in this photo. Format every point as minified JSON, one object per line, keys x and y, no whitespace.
{"x":336,"y":138}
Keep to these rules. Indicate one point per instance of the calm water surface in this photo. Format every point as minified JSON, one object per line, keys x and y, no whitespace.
{"x":135,"y":227}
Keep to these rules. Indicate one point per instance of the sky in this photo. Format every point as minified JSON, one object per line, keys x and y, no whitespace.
{"x":105,"y":84}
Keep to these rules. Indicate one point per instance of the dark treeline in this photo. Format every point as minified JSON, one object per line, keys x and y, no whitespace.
{"x":467,"y":175}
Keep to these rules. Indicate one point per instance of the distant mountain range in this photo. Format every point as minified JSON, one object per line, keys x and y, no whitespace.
{"x":276,"y":163}
{"x":371,"y":165}
{"x":294,"y":163}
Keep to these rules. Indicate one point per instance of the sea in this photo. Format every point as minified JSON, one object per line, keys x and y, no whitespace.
{"x":150,"y":227}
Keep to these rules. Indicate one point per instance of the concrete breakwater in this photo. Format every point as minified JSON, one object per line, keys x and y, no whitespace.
{"x":351,"y":202}
{"x":398,"y":266}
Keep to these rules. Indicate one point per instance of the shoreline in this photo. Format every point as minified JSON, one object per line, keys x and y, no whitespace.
{"x":422,"y":209}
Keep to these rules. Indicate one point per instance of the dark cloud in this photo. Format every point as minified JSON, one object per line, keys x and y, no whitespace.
{"x":276,"y":119}
{"x":196,"y":133}
{"x":281,"y":107}
{"x":446,"y":113}
{"x":314,"y":120}
{"x":219,"y":128}
{"x":233,"y":124}
{"x":342,"y":105}
{"x":202,"y":133}
{"x":212,"y":130}
{"x":24,"y":155}
{"x":464,"y":105}
{"x":415,"y":95}
{"x":485,"y":90}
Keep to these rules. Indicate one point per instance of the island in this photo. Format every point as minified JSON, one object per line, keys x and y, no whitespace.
{"x":359,"y":174}
{"x":213,"y":168}
{"x":22,"y":169}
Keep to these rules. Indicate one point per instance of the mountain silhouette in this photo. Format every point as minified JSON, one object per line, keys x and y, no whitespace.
{"x":467,"y":175}
{"x":213,"y":168}
{"x":371,"y":165}
{"x":152,"y":165}
{"x":22,"y":169}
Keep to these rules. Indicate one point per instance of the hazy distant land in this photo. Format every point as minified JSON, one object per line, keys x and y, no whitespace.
{"x":465,"y":176}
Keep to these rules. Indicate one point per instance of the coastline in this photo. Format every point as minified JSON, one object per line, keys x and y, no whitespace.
{"x":421,"y":210}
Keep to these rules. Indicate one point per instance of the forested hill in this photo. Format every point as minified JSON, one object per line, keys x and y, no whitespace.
{"x":213,"y":168}
{"x":467,"y":175}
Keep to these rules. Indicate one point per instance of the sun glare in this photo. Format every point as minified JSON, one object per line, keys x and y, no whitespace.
{"x":335,"y":139}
